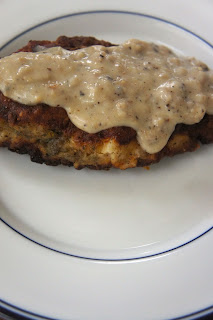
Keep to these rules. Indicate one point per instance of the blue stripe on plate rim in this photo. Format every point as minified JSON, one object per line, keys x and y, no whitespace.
{"x":105,"y":11}
{"x":12,"y":310}
{"x":101,"y":259}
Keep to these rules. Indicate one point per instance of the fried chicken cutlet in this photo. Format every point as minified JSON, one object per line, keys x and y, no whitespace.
{"x":48,"y":135}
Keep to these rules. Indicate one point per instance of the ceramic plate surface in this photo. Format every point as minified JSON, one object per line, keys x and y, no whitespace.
{"x":91,"y":245}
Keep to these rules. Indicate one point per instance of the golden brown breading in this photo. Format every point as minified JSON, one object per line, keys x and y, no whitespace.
{"x":48,"y":136}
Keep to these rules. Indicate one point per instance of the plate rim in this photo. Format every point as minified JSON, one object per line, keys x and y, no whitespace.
{"x":102,"y":259}
{"x":105,"y":11}
{"x":22,"y":314}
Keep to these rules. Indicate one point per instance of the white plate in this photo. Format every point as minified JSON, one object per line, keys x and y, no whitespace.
{"x":107,"y":244}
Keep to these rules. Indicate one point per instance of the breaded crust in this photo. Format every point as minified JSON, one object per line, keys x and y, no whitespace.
{"x":48,"y":136}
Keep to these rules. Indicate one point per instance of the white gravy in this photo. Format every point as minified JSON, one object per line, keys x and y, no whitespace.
{"x":136,"y":84}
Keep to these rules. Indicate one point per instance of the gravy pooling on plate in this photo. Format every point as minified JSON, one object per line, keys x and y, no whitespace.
{"x":136,"y":84}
